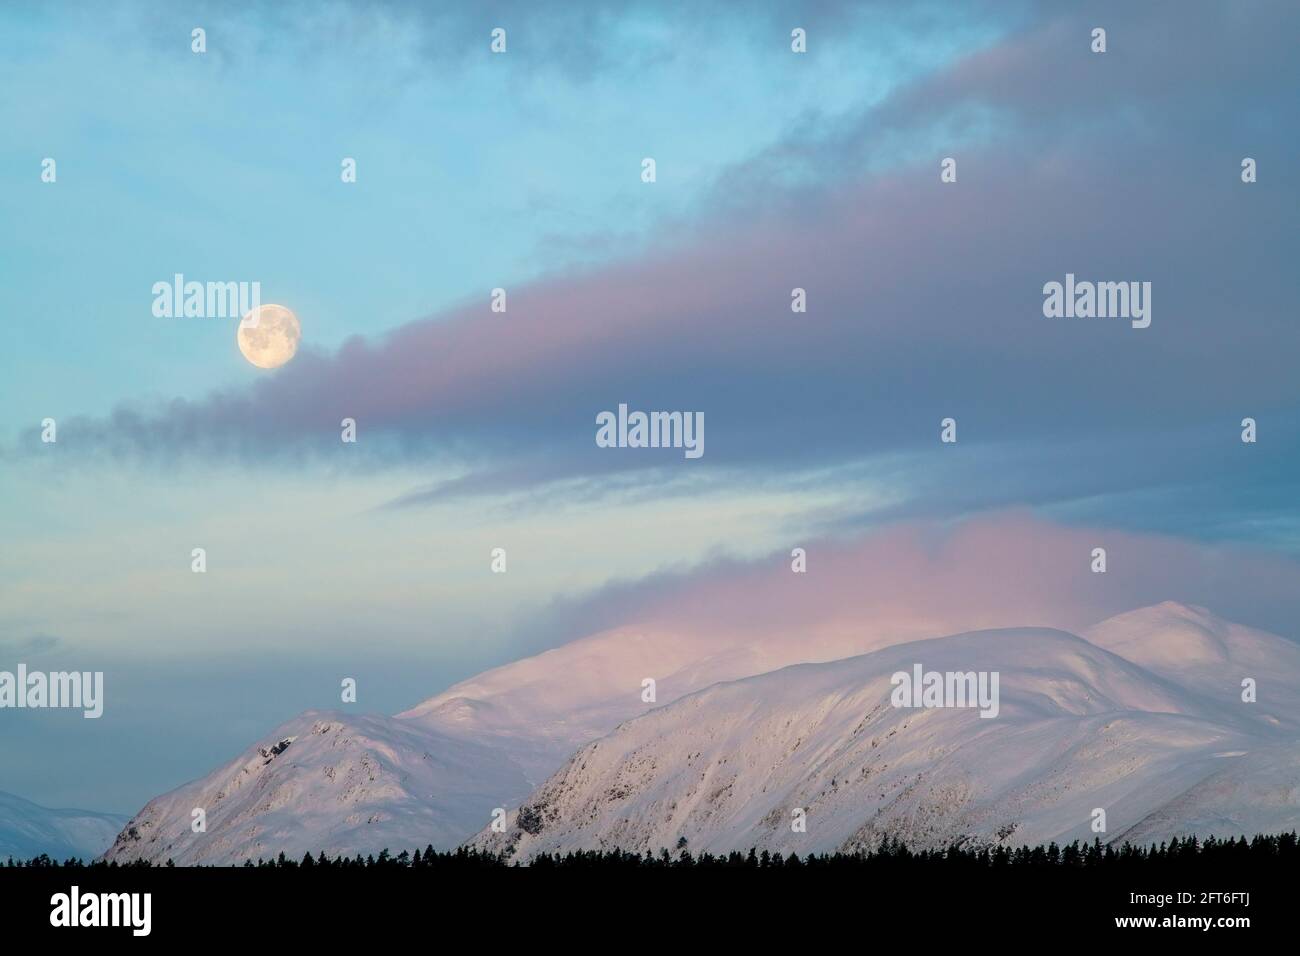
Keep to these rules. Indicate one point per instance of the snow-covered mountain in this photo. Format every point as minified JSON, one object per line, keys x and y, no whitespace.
{"x":1159,"y":738}
{"x":1195,"y":649}
{"x":574,"y":693}
{"x":436,"y":773}
{"x":328,"y":781}
{"x":28,"y":829}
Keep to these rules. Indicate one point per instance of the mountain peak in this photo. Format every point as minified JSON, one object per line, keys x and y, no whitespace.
{"x":1171,"y":609}
{"x":1169,"y":633}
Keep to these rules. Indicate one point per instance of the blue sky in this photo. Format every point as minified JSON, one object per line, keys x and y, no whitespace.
{"x":522,"y":171}
{"x":474,"y":171}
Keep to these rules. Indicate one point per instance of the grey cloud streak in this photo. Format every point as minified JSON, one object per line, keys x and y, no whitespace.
{"x":924,"y":299}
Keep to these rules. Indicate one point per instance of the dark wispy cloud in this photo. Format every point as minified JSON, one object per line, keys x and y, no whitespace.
{"x":924,"y":302}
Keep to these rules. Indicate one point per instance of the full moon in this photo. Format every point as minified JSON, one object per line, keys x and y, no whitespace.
{"x":272,"y":339}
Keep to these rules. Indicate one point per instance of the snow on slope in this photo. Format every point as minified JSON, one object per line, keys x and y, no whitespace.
{"x":443,"y":766}
{"x":1079,"y":728}
{"x":326,"y":781}
{"x":28,"y":829}
{"x":492,"y":739}
{"x":1243,"y":793}
{"x":574,"y":693}
{"x":1201,"y":652}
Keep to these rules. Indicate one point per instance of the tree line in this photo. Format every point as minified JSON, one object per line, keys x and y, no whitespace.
{"x":1212,"y":853}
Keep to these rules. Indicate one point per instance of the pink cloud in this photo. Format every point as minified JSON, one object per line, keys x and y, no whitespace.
{"x":1003,"y":570}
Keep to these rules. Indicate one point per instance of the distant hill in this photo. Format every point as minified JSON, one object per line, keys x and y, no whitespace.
{"x":28,"y":829}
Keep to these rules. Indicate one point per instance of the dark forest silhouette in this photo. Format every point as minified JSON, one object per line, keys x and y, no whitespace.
{"x":1262,"y":852}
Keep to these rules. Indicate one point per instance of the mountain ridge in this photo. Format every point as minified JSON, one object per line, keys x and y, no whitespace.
{"x":502,"y":736}
{"x":28,"y":829}
{"x":1089,"y":723}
